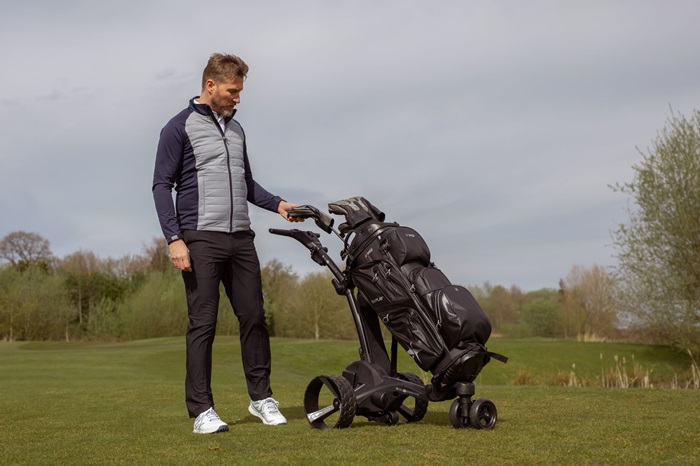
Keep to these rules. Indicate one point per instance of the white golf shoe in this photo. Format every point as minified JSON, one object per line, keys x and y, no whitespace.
{"x":209,"y":423}
{"x":268,"y":411}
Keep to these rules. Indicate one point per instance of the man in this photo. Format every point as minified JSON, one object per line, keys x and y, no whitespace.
{"x":202,"y":154}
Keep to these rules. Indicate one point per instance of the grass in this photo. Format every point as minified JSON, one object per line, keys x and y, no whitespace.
{"x":81,"y":403}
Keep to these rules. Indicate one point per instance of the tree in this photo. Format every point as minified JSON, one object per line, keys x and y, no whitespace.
{"x":541,"y":312}
{"x":158,"y":308}
{"x":588,"y":299}
{"x":279,"y":283}
{"x":156,"y":253}
{"x":81,"y":270}
{"x":315,"y":311}
{"x":96,"y":285}
{"x":659,"y":246}
{"x":502,"y":306}
{"x":24,"y":249}
{"x":33,"y":305}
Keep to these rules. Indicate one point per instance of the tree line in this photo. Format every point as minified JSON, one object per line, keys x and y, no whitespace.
{"x":84,"y":297}
{"x":652,"y":295}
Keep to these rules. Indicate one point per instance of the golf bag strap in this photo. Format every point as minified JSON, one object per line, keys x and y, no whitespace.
{"x":394,"y":355}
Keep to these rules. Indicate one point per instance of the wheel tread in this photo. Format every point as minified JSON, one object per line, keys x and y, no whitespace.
{"x":347,"y":400}
{"x":421,"y":407}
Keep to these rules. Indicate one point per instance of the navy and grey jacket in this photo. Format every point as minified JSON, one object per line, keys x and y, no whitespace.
{"x":209,"y":169}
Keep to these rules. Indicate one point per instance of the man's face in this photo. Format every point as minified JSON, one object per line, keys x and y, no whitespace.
{"x":225,"y":95}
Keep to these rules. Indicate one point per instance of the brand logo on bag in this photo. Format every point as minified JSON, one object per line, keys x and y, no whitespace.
{"x":369,"y":252}
{"x":413,"y":352}
{"x":410,"y":235}
{"x":377,"y":299}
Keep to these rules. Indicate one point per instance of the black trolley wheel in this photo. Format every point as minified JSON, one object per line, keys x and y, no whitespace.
{"x":420,"y":405}
{"x":459,"y":413}
{"x":392,"y":418}
{"x":329,"y":402}
{"x":483,"y":414}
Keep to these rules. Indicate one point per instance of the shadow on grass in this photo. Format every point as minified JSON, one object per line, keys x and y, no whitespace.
{"x":297,"y":413}
{"x":436,"y":418}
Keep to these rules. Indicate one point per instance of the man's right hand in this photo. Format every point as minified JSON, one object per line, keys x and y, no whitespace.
{"x":180,"y":255}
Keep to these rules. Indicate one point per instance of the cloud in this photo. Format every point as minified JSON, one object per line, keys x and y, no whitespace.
{"x":493,"y":127}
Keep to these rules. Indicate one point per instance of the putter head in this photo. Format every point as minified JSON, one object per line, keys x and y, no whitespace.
{"x":323,"y":221}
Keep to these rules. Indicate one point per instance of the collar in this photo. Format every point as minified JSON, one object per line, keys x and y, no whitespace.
{"x":205,"y":109}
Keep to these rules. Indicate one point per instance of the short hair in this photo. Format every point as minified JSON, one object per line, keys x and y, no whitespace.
{"x":224,"y":67}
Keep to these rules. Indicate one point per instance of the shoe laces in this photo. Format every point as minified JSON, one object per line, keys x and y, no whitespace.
{"x":210,"y":415}
{"x":270,"y":406}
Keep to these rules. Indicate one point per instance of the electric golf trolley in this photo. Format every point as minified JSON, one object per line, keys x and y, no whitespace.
{"x":440,"y":325}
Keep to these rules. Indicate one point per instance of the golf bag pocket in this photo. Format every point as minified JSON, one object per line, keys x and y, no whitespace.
{"x":461,"y":317}
{"x":382,"y":286}
{"x":458,"y":317}
{"x":402,"y":244}
{"x":426,"y":281}
{"x":405,"y":245}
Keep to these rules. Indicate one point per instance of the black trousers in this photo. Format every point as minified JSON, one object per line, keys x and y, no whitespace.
{"x":231,"y":259}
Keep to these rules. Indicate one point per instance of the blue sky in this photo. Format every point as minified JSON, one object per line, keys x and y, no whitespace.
{"x":494,"y":128}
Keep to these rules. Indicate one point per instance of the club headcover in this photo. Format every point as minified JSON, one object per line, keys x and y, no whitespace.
{"x":356,"y":210}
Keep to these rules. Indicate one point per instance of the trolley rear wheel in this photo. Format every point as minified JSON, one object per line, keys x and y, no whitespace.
{"x":329,"y":402}
{"x":420,"y":405}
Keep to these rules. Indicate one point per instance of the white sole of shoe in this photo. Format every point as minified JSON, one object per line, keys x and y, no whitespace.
{"x":223,"y":428}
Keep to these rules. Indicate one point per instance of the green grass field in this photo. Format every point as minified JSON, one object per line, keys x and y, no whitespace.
{"x":81,"y":403}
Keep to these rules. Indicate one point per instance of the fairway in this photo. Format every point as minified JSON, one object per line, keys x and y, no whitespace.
{"x":122,"y":403}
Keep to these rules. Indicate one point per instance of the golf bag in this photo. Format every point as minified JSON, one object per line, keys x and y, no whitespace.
{"x":435,"y":321}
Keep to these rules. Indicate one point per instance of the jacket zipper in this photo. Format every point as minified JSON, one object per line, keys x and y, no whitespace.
{"x":228,"y":169}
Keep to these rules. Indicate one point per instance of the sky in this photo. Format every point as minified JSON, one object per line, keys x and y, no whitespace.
{"x":493,"y":128}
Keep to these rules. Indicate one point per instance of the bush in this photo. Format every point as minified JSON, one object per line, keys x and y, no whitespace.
{"x":541,"y":315}
{"x":33,"y":305}
{"x":157,"y":309}
{"x":520,"y":330}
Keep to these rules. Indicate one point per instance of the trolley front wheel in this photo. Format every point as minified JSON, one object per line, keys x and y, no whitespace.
{"x":483,"y":414}
{"x":459,"y":413}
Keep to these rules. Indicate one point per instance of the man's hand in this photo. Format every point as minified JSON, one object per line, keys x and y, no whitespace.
{"x":180,"y":255}
{"x":283,"y":209}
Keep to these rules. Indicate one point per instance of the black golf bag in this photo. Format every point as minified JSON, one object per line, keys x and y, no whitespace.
{"x":439,"y":324}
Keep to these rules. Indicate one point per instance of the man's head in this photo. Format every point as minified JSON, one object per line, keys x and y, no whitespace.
{"x":222,"y":83}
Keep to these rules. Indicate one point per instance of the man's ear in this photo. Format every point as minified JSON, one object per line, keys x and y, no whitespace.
{"x":210,"y":85}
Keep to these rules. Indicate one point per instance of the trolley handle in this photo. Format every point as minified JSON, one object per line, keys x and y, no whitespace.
{"x":309,"y":239}
{"x":278,"y":231}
